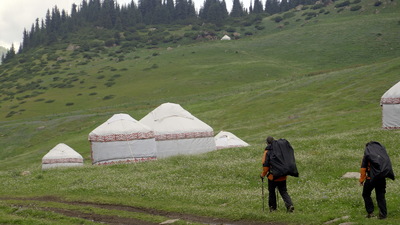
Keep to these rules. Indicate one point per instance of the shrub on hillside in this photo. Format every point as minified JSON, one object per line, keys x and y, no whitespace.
{"x":377,"y":3}
{"x":247,"y":23}
{"x":231,"y":29}
{"x":109,"y":43}
{"x":317,"y":6}
{"x":342,"y":4}
{"x":259,"y":27}
{"x":355,"y":8}
{"x":277,"y":19}
{"x":10,"y":114}
{"x":109,"y":84}
{"x":108,"y":97}
{"x":96,"y":43}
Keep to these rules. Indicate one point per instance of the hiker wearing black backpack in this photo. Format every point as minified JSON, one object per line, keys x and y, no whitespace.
{"x":375,"y":168}
{"x":278,"y":162}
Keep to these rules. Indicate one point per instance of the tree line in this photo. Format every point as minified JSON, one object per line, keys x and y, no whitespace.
{"x":111,"y":15}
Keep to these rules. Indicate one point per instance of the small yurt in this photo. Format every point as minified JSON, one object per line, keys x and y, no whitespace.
{"x":178,"y":132}
{"x":226,"y":38}
{"x":226,"y":139}
{"x":122,"y":139}
{"x":390,"y":103}
{"x":61,"y":156}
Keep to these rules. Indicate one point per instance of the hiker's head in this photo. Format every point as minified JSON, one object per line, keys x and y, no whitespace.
{"x":269,"y":140}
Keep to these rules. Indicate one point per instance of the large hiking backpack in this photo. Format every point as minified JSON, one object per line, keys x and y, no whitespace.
{"x":281,"y":159}
{"x":380,"y":164}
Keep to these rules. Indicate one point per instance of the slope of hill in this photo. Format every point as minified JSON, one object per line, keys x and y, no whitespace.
{"x":316,"y":81}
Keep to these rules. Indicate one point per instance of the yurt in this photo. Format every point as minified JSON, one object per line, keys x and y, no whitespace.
{"x":226,"y":139}
{"x":226,"y":38}
{"x":390,"y":103}
{"x":122,"y":139}
{"x":178,"y":132}
{"x":61,"y":156}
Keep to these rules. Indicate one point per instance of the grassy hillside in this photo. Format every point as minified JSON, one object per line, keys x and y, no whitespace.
{"x":316,"y":81}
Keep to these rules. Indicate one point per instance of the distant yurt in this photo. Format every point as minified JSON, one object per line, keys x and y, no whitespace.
{"x":178,"y":132}
{"x":390,"y":103}
{"x":226,"y":38}
{"x":61,"y":156}
{"x":122,"y":139}
{"x":226,"y":139}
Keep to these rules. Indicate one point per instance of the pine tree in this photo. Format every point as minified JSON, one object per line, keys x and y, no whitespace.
{"x":237,"y":9}
{"x":10,"y":54}
{"x":181,"y":9}
{"x":284,"y":6}
{"x":258,"y":7}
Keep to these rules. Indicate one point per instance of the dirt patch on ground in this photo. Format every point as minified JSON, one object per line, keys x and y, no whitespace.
{"x":112,"y":219}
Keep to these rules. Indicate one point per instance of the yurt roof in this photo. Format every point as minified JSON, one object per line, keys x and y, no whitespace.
{"x":392,"y":95}
{"x":225,"y":138}
{"x":122,"y":124}
{"x":172,"y":118}
{"x":226,"y":37}
{"x":62,"y":151}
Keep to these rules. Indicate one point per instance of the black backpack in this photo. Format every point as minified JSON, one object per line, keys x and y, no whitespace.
{"x":281,"y":159}
{"x":380,"y":164}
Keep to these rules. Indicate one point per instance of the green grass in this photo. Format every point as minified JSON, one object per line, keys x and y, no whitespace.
{"x":317,"y":84}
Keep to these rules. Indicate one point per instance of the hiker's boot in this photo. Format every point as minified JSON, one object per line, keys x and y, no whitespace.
{"x":290,"y":209}
{"x":381,"y":217}
{"x":370,"y":215}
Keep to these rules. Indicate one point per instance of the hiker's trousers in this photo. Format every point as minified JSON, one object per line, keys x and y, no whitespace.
{"x":380,"y":190}
{"x":281,"y":185}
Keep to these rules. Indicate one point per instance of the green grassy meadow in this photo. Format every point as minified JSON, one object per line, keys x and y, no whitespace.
{"x":315,"y":82}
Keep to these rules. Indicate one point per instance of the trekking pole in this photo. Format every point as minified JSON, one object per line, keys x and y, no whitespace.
{"x":262,"y":191}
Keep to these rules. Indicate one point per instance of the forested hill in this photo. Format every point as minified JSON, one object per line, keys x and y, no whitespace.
{"x":104,"y":51}
{"x":108,"y":14}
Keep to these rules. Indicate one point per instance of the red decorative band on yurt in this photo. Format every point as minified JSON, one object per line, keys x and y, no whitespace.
{"x":390,"y":100}
{"x":391,"y":128}
{"x":121,"y":161}
{"x":188,"y":135}
{"x":121,"y":137}
{"x":66,"y":160}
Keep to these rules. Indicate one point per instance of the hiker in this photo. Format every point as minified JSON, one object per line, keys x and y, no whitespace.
{"x":375,"y":167}
{"x":274,"y":181}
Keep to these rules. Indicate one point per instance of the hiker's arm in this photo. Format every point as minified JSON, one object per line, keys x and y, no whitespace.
{"x":265,"y":166}
{"x":265,"y":171}
{"x":363,"y":171}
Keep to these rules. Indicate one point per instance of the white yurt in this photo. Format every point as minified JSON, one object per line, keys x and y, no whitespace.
{"x":225,"y":139}
{"x":226,"y":38}
{"x":178,"y":132}
{"x":390,"y":103}
{"x":61,"y":156}
{"x":122,"y":139}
